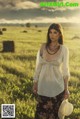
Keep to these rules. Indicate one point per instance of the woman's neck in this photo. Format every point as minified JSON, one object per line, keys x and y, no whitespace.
{"x":54,"y":43}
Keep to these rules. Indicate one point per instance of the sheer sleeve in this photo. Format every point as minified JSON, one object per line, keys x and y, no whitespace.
{"x":38,"y":67}
{"x":65,"y":65}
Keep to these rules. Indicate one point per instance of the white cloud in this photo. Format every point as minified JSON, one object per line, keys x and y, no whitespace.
{"x":43,"y":20}
{"x":26,"y":5}
{"x":18,"y":4}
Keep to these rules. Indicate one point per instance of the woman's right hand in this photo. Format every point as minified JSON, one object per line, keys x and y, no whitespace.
{"x":35,"y":88}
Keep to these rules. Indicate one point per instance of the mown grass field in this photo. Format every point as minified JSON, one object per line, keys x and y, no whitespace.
{"x":17,"y":69}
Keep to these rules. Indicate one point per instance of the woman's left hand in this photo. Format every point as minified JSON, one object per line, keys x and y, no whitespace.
{"x":66,"y":94}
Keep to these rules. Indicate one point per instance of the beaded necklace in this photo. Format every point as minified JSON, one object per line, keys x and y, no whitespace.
{"x":48,"y":49}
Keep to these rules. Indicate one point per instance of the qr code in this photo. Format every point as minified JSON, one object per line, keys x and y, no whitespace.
{"x":8,"y":111}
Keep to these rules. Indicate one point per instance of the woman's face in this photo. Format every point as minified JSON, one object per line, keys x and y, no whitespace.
{"x":54,"y":35}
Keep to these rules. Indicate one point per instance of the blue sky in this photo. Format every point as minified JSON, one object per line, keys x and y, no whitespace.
{"x":22,"y":11}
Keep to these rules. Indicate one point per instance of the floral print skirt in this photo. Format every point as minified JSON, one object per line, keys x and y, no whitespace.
{"x":47,"y":107}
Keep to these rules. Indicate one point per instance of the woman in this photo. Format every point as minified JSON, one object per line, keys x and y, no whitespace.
{"x":51,"y":74}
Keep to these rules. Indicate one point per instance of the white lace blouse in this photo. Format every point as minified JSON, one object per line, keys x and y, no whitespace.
{"x":51,"y":74}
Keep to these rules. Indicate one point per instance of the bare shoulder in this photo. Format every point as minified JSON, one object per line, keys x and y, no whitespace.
{"x":41,"y":48}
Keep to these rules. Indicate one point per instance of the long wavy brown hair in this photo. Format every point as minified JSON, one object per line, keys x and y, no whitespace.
{"x":58,"y":28}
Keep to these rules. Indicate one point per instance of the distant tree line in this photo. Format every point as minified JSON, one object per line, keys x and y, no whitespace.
{"x":29,"y":25}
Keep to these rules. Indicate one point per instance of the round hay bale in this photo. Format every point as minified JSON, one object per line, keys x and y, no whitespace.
{"x":1,"y":33}
{"x":4,"y":29}
{"x":75,"y":37}
{"x":39,"y":31}
{"x":36,"y":26}
{"x":24,"y":31}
